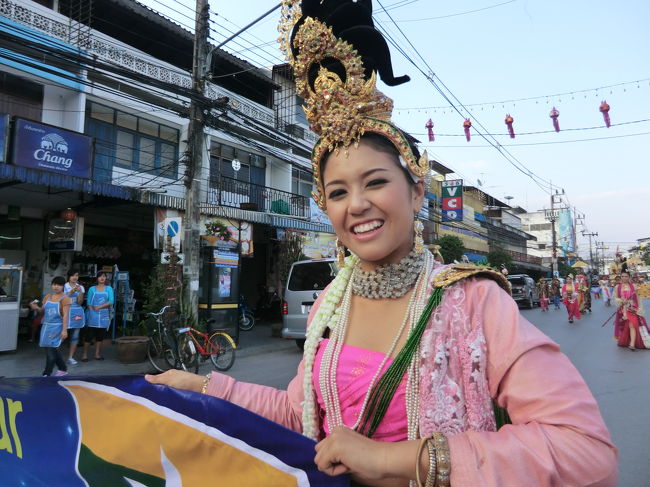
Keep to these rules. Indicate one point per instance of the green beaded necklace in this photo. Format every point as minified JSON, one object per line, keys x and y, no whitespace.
{"x":384,"y":389}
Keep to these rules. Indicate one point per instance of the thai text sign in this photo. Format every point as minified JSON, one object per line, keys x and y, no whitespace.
{"x":52,"y":149}
{"x":121,"y":430}
{"x":452,"y":200}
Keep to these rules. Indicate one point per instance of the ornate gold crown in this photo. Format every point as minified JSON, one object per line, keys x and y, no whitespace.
{"x":339,"y":109}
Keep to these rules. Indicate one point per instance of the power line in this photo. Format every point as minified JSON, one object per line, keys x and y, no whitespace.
{"x":457,"y":14}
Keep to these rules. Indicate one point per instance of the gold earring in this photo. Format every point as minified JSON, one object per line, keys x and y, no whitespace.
{"x":418,"y":244}
{"x":340,"y":253}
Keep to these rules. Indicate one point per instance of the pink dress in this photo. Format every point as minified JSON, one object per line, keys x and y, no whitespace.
{"x":356,"y":368}
{"x":571,"y":299}
{"x":626,"y":317}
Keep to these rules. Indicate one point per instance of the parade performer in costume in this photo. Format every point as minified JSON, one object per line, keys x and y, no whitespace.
{"x":581,"y":288}
{"x":630,"y":328}
{"x":605,"y":291}
{"x":570,"y":298}
{"x":76,"y":315}
{"x":404,"y":357}
{"x":54,"y":329}
{"x":556,"y":291}
{"x":100,"y":301}
{"x":542,"y":290}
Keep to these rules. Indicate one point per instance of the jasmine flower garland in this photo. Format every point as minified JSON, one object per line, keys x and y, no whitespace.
{"x":327,"y":316}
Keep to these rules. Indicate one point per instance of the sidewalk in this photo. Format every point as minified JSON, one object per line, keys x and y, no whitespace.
{"x":29,"y":359}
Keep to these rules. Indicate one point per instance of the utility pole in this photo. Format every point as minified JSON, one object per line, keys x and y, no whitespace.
{"x":552,"y":216}
{"x":196,"y":153}
{"x":591,"y":255}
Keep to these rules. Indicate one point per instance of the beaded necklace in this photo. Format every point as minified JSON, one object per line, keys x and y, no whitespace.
{"x":329,"y":363}
{"x":388,"y":280}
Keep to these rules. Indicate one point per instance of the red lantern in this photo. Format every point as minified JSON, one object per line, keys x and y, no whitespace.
{"x":604,"y":109}
{"x":68,"y":214}
{"x":429,"y":127}
{"x":466,"y":125}
{"x":509,"y":121}
{"x":554,"y":115}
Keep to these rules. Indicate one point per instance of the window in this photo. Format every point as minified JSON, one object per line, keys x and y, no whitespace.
{"x":301,"y":182}
{"x":20,"y":97}
{"x":251,"y":166}
{"x":139,"y":144}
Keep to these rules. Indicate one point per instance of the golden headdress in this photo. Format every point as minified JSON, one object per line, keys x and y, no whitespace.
{"x":335,"y":52}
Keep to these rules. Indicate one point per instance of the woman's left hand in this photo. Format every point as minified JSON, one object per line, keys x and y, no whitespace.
{"x":346,"y":451}
{"x":64,"y":334}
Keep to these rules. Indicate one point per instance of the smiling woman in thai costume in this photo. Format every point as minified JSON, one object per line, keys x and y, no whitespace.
{"x":405,"y":358}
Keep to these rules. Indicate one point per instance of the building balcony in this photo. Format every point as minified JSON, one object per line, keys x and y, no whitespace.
{"x":254,"y":197}
{"x":521,"y":257}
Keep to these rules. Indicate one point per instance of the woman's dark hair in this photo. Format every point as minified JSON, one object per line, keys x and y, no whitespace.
{"x":100,"y":273}
{"x":381,"y":144}
{"x":60,"y":280}
{"x":71,"y":272}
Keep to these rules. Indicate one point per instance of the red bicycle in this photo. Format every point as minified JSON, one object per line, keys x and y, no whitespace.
{"x":195,"y":346}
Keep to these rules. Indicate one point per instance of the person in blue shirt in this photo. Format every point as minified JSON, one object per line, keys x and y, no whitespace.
{"x":55,"y":326}
{"x":98,"y":311}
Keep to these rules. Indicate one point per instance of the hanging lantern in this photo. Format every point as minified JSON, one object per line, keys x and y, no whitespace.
{"x":604,"y":109}
{"x":554,"y":115}
{"x":466,"y":126}
{"x":68,"y":214}
{"x":509,"y":121}
{"x":429,"y":127}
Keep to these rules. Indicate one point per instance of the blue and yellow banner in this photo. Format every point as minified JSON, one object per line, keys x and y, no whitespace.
{"x":114,"y":431}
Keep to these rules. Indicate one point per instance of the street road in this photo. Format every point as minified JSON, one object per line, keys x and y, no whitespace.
{"x":618,"y":378}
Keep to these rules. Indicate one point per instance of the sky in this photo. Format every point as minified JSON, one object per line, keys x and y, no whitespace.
{"x":519,"y":57}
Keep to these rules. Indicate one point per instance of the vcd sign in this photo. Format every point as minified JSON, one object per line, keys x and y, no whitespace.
{"x":52,"y":149}
{"x":452,"y":200}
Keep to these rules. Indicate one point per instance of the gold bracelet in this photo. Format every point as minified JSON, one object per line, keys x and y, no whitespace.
{"x":443,"y":469}
{"x":206,"y":381}
{"x":423,"y":442}
{"x":431,"y":474}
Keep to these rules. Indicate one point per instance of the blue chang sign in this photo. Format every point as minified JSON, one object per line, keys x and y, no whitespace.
{"x":51,"y":149}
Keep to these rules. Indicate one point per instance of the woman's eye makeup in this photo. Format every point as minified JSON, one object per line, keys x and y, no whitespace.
{"x":335,"y":193}
{"x":376,"y":182}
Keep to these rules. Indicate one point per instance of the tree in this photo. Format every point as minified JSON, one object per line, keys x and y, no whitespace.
{"x":498,"y":257}
{"x":451,"y":248}
{"x":290,"y":252}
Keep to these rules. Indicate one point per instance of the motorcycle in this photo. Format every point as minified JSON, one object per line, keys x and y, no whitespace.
{"x":246,"y":315}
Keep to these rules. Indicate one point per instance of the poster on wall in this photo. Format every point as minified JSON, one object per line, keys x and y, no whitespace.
{"x":4,"y":131}
{"x":52,"y":149}
{"x":317,"y":245}
{"x":316,"y":214}
{"x":214,"y":229}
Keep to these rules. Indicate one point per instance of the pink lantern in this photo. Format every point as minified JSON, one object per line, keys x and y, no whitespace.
{"x":68,"y":214}
{"x":429,"y":127}
{"x":554,"y":115}
{"x":466,"y":126}
{"x":604,"y":109}
{"x":509,"y":121}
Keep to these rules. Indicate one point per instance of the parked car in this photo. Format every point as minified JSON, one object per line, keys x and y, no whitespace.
{"x":306,"y":280}
{"x":524,"y":290}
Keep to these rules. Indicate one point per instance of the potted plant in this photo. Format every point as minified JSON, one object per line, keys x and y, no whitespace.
{"x":132,"y":345}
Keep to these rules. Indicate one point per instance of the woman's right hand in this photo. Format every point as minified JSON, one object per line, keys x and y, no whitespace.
{"x":178,"y":379}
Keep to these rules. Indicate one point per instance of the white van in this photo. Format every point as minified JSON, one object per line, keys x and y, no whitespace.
{"x":307,"y":279}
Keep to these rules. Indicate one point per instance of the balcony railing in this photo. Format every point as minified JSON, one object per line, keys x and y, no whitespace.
{"x":521,"y":257}
{"x":255,"y":197}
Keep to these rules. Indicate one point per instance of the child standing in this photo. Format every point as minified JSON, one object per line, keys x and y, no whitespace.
{"x":54,"y":330}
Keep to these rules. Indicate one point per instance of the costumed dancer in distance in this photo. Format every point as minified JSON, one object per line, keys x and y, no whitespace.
{"x":542,"y":290}
{"x":571,"y":298}
{"x":76,"y":315}
{"x":605,"y":291}
{"x":100,"y":301}
{"x":580,"y":285}
{"x":556,"y":291}
{"x":403,"y":356}
{"x":54,"y":326}
{"x":630,"y":327}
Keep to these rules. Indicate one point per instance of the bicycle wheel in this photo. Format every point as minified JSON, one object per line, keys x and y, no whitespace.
{"x":158,"y":354}
{"x":222,"y":351}
{"x":246,"y":320}
{"x":187,"y":354}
